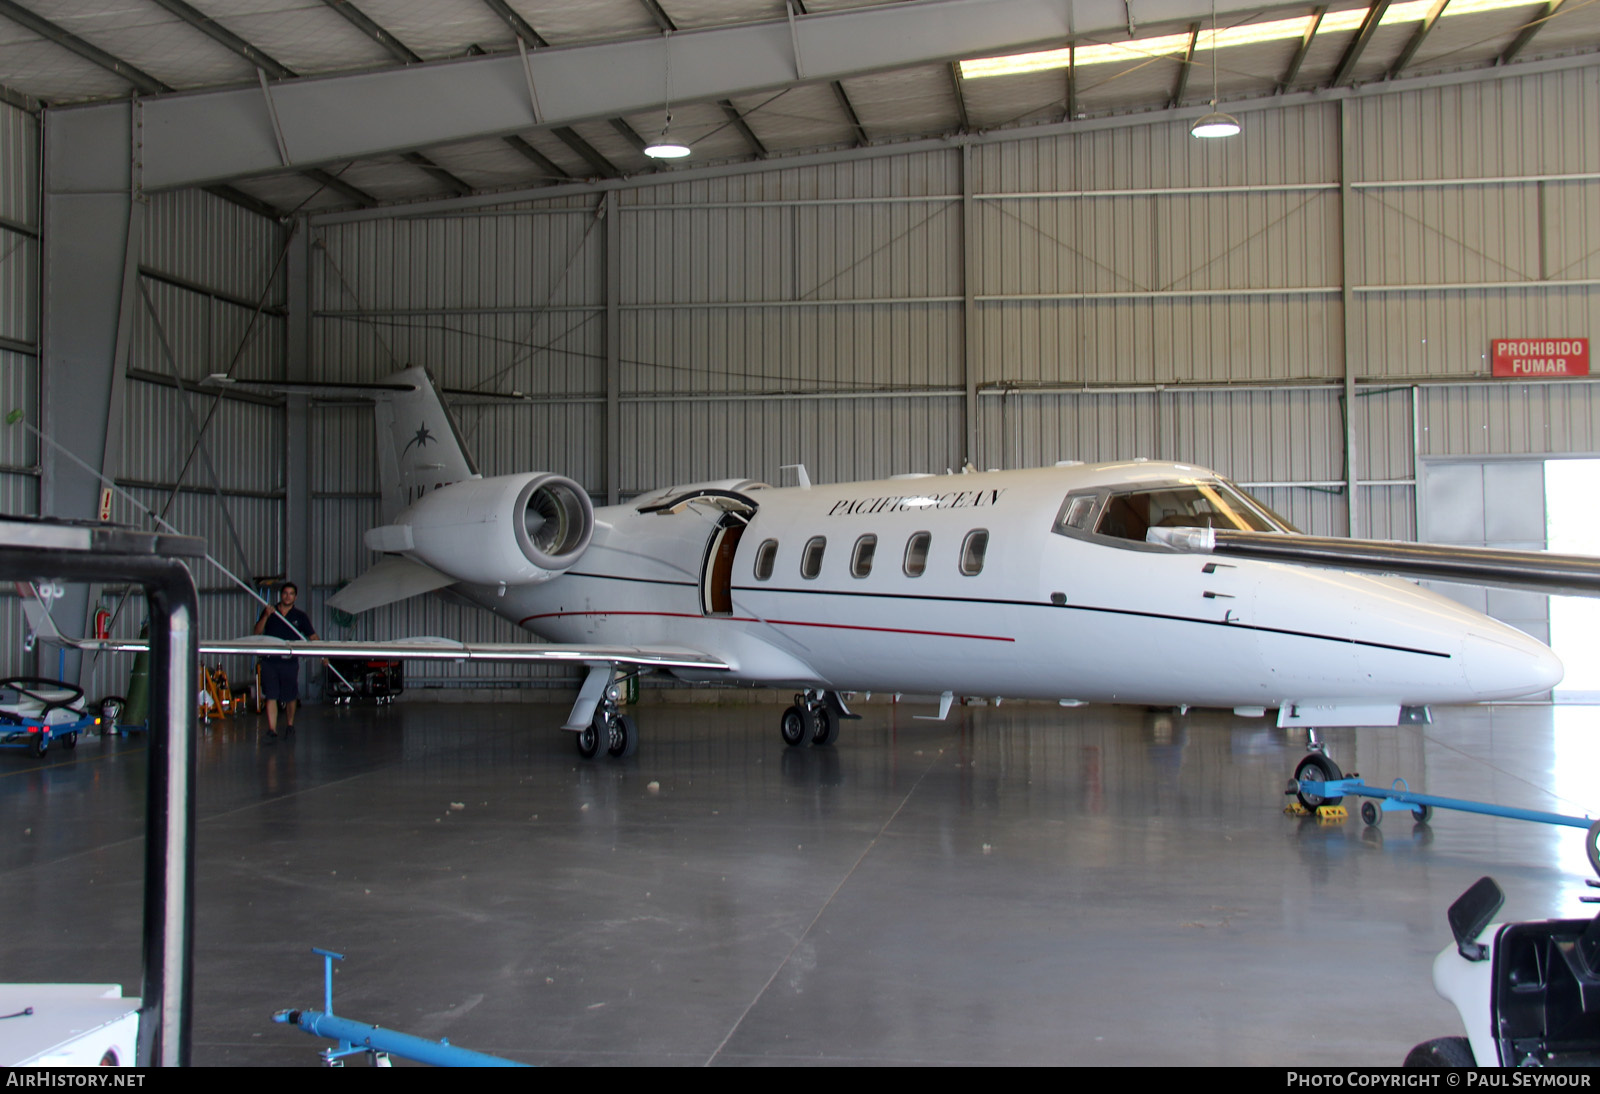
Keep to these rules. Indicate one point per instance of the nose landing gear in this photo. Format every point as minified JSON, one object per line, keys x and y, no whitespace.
{"x":1316,"y":767}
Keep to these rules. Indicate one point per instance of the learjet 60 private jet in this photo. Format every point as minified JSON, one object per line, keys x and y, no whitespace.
{"x":1071,"y":583}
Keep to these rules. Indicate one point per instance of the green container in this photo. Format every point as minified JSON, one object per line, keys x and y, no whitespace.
{"x":137,"y":712}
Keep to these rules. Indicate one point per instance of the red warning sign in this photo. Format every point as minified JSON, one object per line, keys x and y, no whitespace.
{"x":1540,"y":358}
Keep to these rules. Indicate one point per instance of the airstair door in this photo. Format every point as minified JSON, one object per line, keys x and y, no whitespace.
{"x":716,"y":576}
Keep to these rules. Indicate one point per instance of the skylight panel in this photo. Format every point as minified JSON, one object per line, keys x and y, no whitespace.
{"x":1143,"y":49}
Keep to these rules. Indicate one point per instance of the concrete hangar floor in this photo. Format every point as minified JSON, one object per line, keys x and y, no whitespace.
{"x":1018,"y":885}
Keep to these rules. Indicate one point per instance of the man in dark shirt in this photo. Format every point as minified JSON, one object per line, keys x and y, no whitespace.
{"x":280,"y":676}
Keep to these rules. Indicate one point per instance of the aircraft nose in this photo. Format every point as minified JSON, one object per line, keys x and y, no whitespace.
{"x":1503,"y":663}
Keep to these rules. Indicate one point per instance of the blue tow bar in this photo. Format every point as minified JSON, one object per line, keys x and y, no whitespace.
{"x":1401,"y":797}
{"x":356,"y":1037}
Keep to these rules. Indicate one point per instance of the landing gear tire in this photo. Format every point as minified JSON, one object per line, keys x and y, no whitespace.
{"x":1371,"y":814}
{"x":826,"y":725}
{"x":624,"y":737}
{"x":592,"y":738}
{"x":1316,"y":768}
{"x":1442,"y":1052}
{"x":813,"y":723}
{"x":794,"y":726}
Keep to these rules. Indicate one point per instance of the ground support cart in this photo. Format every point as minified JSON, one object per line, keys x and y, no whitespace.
{"x":36,"y":711}
{"x":1528,"y":993}
{"x":351,"y":678}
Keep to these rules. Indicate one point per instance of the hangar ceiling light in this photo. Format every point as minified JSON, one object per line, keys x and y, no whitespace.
{"x":663,"y":148}
{"x":1216,"y":123}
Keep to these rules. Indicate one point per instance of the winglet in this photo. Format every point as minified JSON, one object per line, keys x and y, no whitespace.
{"x":40,"y":626}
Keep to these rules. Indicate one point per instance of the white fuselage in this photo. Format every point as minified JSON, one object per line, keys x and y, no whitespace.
{"x":1050,"y":614}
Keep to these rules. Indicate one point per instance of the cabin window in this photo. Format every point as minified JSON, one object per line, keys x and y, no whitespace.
{"x":1198,"y":505}
{"x":766,"y":556}
{"x":811,"y":557}
{"x":973,"y":548}
{"x":1128,"y":513}
{"x":861,"y":560}
{"x":917,"y":553}
{"x":1076,"y":512}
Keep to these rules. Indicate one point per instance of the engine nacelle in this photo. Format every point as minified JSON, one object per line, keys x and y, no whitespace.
{"x":508,"y":530}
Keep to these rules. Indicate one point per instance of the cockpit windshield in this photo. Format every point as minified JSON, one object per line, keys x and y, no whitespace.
{"x":1128,"y":514}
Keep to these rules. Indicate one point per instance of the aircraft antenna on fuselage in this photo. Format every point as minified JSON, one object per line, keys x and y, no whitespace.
{"x":799,"y":470}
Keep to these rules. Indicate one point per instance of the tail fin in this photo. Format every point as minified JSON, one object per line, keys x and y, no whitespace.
{"x":419,"y":446}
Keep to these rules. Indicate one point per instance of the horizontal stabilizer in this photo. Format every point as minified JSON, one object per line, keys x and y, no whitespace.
{"x":389,"y":581}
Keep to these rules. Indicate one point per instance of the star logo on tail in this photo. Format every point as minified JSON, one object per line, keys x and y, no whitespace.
{"x":420,"y":440}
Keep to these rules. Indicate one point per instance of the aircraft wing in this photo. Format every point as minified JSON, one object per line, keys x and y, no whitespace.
{"x":1539,"y":571}
{"x":430,"y":649}
{"x":404,"y":649}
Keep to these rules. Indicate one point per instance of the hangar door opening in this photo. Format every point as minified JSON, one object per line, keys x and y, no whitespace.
{"x":1574,"y":529}
{"x":1527,"y":505}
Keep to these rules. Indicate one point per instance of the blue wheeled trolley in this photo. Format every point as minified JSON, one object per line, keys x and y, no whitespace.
{"x":36,"y":712}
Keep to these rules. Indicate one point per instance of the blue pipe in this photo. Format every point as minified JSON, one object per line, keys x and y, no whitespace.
{"x":356,"y":1036}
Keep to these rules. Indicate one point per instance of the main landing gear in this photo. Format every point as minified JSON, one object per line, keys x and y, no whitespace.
{"x":600,"y":725}
{"x":814,"y":717}
{"x":617,"y":735}
{"x":608,"y":731}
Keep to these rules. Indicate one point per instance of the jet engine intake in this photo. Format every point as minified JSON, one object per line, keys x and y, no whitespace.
{"x":508,"y":530}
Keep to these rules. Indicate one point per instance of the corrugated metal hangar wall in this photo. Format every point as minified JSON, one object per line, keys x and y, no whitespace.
{"x":1084,"y":295}
{"x":19,"y":337}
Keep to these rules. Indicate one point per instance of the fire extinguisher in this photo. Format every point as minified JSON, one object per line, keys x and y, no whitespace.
{"x":102,"y":624}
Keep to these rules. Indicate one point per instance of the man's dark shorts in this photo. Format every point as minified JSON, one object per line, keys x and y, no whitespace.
{"x":280,"y":679}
